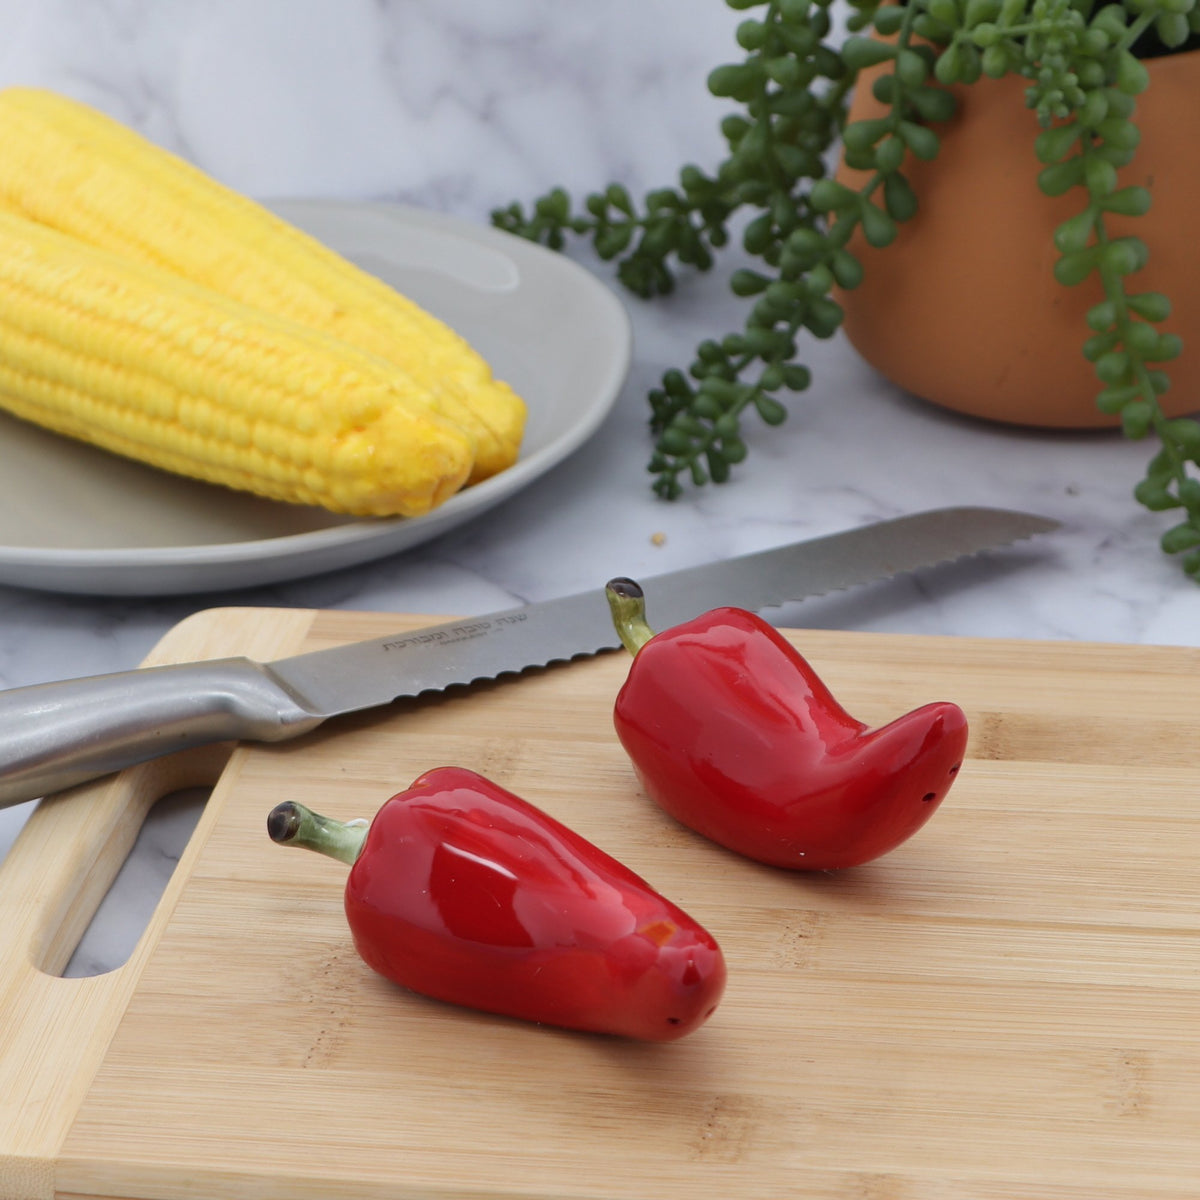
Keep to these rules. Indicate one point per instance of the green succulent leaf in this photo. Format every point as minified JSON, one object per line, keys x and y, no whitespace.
{"x":920,"y":139}
{"x":889,"y":154}
{"x":1061,"y":177}
{"x":1184,"y":536}
{"x":1185,"y":433}
{"x":1136,"y":418}
{"x":900,"y":200}
{"x":1053,"y":145}
{"x":1154,"y":496}
{"x":934,"y":105}
{"x":1112,"y":399}
{"x":1132,"y":78}
{"x":1073,"y":268}
{"x":864,"y":134}
{"x":888,"y":20}
{"x":1150,"y":306}
{"x":1075,"y":232}
{"x":847,"y":270}
{"x":1128,"y":202}
{"x":878,"y":227}
{"x":1102,"y":316}
{"x":949,"y":67}
{"x":858,"y":53}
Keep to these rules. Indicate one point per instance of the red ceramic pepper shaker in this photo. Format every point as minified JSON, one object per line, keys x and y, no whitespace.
{"x":731,"y":732}
{"x":462,"y":891}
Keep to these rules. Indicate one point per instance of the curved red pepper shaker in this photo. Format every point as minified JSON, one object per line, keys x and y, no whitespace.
{"x":462,"y":891}
{"x":731,"y":732}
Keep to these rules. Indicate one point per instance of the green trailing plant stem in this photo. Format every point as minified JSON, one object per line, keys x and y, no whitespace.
{"x":791,"y":88}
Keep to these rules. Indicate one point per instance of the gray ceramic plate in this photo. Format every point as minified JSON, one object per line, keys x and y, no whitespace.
{"x":75,"y":519}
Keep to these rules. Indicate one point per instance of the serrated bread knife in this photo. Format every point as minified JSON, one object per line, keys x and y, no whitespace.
{"x":55,"y":735}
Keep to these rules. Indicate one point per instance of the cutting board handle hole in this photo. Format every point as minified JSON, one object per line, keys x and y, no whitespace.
{"x":128,"y":905}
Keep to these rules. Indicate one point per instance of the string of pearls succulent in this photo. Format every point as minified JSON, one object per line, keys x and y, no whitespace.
{"x":791,"y":88}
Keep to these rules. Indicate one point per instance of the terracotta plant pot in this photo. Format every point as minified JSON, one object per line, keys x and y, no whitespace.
{"x":963,"y":309}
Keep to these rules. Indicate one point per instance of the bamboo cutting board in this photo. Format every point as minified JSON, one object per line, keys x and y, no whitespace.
{"x":1005,"y":1008}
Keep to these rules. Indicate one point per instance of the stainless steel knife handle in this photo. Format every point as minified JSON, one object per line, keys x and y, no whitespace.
{"x":55,"y":735}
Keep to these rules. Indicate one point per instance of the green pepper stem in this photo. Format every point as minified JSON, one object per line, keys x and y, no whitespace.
{"x":627,"y":602}
{"x":291,"y":824}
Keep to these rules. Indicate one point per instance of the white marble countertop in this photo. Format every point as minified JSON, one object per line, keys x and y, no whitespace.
{"x":463,"y":105}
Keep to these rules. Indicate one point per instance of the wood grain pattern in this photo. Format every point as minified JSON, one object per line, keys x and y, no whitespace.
{"x":1005,"y":1008}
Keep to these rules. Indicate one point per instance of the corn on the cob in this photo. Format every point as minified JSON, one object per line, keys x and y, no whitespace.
{"x":142,"y":363}
{"x":77,"y":170}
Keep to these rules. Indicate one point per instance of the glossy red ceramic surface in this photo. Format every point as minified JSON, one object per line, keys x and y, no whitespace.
{"x":731,"y":731}
{"x":467,"y":893}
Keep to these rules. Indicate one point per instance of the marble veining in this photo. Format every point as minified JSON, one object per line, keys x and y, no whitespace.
{"x":462,"y":105}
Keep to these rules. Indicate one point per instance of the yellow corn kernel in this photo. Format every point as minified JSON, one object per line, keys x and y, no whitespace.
{"x":75,"y":169}
{"x":156,"y":368}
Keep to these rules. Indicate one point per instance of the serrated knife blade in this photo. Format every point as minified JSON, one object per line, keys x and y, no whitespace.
{"x":56,"y":735}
